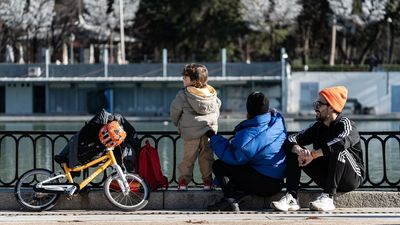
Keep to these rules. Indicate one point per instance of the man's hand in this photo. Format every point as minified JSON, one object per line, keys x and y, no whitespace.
{"x":304,"y":160}
{"x":304,"y":155}
{"x":297,"y":149}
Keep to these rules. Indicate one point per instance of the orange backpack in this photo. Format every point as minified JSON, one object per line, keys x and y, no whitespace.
{"x":149,"y":167}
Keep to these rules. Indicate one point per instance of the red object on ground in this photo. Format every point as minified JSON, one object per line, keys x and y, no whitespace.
{"x":150,"y":168}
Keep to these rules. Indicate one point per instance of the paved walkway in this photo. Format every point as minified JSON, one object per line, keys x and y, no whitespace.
{"x":348,"y":216}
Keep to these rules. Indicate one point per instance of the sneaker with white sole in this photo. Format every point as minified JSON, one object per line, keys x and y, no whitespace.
{"x":286,"y":203}
{"x":226,"y":204}
{"x":183,"y":185}
{"x":323,"y":203}
{"x":207,"y":185}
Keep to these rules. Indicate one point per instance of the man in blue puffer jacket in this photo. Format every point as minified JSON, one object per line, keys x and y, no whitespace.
{"x":253,"y":162}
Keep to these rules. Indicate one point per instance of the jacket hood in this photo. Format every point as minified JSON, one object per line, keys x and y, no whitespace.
{"x":275,"y":121}
{"x":202,"y":100}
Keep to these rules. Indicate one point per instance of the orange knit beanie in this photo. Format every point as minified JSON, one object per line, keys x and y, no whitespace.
{"x":335,"y":96}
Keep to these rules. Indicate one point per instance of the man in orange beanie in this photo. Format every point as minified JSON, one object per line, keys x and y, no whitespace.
{"x":335,"y":161}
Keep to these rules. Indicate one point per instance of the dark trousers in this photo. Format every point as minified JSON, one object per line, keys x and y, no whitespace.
{"x":336,"y":172}
{"x":239,"y":181}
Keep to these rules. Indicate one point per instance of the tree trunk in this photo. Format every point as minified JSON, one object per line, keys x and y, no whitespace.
{"x":91,"y":54}
{"x":391,"y":32}
{"x":21,"y":54}
{"x":65,"y":54}
{"x":248,"y":50}
{"x":341,"y":49}
{"x":344,"y":49}
{"x":34,"y":49}
{"x":156,"y":52}
{"x":333,"y":43}
{"x":306,"y":44}
{"x":242,"y":48}
{"x":28,"y":48}
{"x":365,"y":50}
{"x":350,"y":54}
{"x":111,"y":54}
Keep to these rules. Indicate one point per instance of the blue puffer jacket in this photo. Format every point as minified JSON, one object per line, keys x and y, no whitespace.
{"x":258,"y":143}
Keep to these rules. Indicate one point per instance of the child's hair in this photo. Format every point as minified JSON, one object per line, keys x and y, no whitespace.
{"x":197,"y":73}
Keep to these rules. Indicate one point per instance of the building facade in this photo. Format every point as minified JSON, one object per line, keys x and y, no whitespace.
{"x":135,"y":89}
{"x":148,"y":89}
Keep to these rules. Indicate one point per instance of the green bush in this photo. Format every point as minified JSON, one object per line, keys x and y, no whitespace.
{"x":332,"y":68}
{"x":346,"y":68}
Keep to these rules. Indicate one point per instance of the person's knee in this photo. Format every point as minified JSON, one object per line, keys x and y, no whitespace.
{"x":349,"y":185}
{"x":217,"y":165}
{"x":289,"y":154}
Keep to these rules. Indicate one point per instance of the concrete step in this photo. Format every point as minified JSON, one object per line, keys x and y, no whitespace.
{"x":199,"y":200}
{"x":347,"y":216}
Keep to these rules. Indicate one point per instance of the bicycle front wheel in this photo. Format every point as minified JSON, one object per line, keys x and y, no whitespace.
{"x":28,"y":197}
{"x":136,"y":199}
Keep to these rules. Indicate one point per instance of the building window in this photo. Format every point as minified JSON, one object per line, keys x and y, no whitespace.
{"x":39,"y":99}
{"x":2,"y":99}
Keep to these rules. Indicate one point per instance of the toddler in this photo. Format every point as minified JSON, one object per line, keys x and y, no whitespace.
{"x":194,"y":111}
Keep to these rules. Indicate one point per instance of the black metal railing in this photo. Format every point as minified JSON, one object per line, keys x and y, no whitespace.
{"x":24,"y":150}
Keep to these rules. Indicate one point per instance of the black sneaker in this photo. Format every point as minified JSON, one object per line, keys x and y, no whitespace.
{"x":226,"y":204}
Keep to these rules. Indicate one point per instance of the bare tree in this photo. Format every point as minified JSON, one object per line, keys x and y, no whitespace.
{"x":39,"y":16}
{"x":11,"y":12}
{"x":285,"y":12}
{"x":98,"y":18}
{"x":34,"y":17}
{"x":62,"y":28}
{"x":261,"y":15}
{"x":342,"y":11}
{"x":255,"y":13}
{"x":372,"y":11}
{"x":392,"y":23}
{"x":103,"y":18}
{"x":267,"y":16}
{"x":11,"y":15}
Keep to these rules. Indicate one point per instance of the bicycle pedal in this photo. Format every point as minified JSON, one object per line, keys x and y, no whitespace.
{"x":68,"y":198}
{"x":71,"y":191}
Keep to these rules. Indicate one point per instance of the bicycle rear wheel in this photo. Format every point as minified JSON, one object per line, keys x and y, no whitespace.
{"x":136,"y":199}
{"x":28,"y":197}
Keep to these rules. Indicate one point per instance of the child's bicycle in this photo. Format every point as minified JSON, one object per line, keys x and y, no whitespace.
{"x":39,"y":189}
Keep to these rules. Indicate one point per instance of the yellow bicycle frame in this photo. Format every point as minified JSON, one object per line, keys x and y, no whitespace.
{"x":110,"y":160}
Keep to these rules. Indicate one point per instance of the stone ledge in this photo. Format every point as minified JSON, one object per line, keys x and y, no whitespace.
{"x":198,"y":200}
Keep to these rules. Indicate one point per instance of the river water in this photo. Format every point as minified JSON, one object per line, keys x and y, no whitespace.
{"x":165,"y":125}
{"x":7,"y":159}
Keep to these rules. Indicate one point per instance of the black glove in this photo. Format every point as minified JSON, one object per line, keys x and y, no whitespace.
{"x":210,"y":133}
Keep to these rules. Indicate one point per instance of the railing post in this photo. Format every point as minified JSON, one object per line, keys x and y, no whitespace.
{"x":165,"y":61}
{"x":105,"y":62}
{"x":47,"y":61}
{"x":121,"y":30}
{"x":284,"y":93}
{"x":223,"y":59}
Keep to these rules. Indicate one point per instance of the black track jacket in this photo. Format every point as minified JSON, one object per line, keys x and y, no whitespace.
{"x":341,"y":135}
